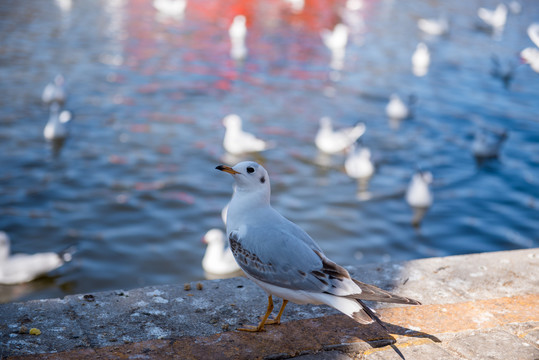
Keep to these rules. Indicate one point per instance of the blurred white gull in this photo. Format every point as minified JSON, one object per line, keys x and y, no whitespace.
{"x":54,"y":91}
{"x":396,"y":108}
{"x":332,"y":142}
{"x":237,"y":141}
{"x":218,"y":259}
{"x":494,"y":18}
{"x":21,"y":268}
{"x":56,"y":128}
{"x":533,"y":33}
{"x":296,"y":5}
{"x":64,"y":5}
{"x":421,"y":59}
{"x":238,"y":29}
{"x":171,"y":8}
{"x":336,"y":39}
{"x":358,"y":164}
{"x":418,"y":194}
{"x":530,"y":55}
{"x":436,"y":27}
{"x":487,"y":143}
{"x":354,"y":5}
{"x":238,"y":33}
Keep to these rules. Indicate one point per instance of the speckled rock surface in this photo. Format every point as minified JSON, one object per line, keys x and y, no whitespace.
{"x":480,"y":288}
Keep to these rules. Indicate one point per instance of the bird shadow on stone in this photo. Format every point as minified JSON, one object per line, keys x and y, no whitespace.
{"x":377,"y":335}
{"x":388,"y":338}
{"x":403,"y":331}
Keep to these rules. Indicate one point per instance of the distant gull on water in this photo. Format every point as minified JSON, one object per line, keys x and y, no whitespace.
{"x":530,"y":55}
{"x":332,"y":141}
{"x":218,"y":260}
{"x":358,"y":164}
{"x":436,"y":27}
{"x":396,"y":108}
{"x":56,"y":127}
{"x":237,"y":141}
{"x":21,"y":268}
{"x":54,"y":92}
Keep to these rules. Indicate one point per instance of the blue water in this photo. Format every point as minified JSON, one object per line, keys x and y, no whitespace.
{"x":134,"y":188}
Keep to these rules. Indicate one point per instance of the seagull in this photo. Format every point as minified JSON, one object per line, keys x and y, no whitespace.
{"x":237,"y":141}
{"x":418,"y":194}
{"x":286,"y":262}
{"x":358,"y":164}
{"x":487,"y":143}
{"x":22,"y":268}
{"x":530,"y":55}
{"x":421,"y":59}
{"x":354,"y":5}
{"x":171,"y":8}
{"x":238,"y":29}
{"x":436,"y":27}
{"x":56,"y":129}
{"x":331,"y":142}
{"x":337,"y":39}
{"x":64,"y":5}
{"x":238,"y":33}
{"x":218,"y":259}
{"x":494,"y":18}
{"x":54,"y":92}
{"x":396,"y":108}
{"x":533,"y":33}
{"x":296,"y":5}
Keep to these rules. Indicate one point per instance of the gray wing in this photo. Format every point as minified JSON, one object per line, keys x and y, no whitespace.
{"x":280,"y":253}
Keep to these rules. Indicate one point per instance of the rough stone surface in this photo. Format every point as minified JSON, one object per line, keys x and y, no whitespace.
{"x":495,"y":344}
{"x":411,"y":351}
{"x":487,"y":302}
{"x":326,"y":355}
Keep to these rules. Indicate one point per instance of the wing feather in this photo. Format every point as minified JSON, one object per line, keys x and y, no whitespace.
{"x":291,"y":259}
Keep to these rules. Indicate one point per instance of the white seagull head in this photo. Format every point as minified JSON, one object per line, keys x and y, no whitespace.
{"x":214,"y":236}
{"x":232,"y":121}
{"x":250,"y":177}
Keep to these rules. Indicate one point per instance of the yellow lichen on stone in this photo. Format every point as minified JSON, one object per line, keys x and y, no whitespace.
{"x":34,"y":331}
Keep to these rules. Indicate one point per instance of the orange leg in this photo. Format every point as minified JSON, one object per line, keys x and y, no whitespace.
{"x":260,"y":326}
{"x":277,"y":320}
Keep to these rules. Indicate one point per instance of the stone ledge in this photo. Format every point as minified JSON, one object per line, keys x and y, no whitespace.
{"x":493,"y":292}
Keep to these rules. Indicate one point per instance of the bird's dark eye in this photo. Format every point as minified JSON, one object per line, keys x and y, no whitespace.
{"x":250,"y":170}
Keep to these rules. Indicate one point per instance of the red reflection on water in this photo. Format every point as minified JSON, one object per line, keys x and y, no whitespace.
{"x":201,"y":38}
{"x":194,"y":53}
